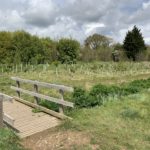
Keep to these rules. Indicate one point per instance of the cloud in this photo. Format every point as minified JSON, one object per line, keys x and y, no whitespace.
{"x":11,"y":20}
{"x":92,"y":26}
{"x":76,"y":18}
{"x":40,"y":13}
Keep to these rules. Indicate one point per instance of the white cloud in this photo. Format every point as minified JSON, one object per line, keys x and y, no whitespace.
{"x":91,"y":26}
{"x":11,"y":20}
{"x":146,"y":5}
{"x":76,"y":18}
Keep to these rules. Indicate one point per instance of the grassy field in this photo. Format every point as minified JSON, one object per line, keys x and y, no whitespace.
{"x":82,"y":74}
{"x":119,"y":124}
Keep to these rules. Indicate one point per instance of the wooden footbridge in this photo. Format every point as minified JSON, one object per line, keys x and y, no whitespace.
{"x":18,"y":113}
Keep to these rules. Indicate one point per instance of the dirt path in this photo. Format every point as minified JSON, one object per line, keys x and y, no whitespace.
{"x":59,"y":140}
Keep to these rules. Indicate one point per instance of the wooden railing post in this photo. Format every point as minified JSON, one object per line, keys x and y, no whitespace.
{"x":18,"y":85}
{"x":36,"y":101}
{"x":1,"y":111}
{"x":61,"y":107}
{"x":37,"y":96}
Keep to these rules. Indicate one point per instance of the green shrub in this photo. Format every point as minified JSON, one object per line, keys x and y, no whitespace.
{"x":97,"y":93}
{"x":80,"y":98}
{"x":129,"y":90}
{"x":141,"y":83}
{"x":100,"y":92}
{"x":9,"y":141}
{"x":49,"y":105}
{"x":68,"y":50}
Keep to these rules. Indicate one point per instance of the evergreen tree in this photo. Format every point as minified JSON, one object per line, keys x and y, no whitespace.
{"x":134,"y":43}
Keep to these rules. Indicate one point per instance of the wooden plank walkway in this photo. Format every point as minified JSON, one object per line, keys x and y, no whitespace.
{"x":27,"y":122}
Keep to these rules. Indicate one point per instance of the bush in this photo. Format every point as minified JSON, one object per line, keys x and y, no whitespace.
{"x":68,"y":50}
{"x":129,"y":90}
{"x":100,"y":54}
{"x":100,"y":92}
{"x":97,"y":93}
{"x":49,"y":105}
{"x":9,"y":141}
{"x":80,"y":98}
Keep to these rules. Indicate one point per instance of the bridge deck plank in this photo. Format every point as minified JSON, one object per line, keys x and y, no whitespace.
{"x":28,"y":122}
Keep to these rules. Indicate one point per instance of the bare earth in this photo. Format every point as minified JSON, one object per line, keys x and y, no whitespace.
{"x":58,"y":140}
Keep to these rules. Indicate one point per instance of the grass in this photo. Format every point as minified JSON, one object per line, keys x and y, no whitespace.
{"x":119,"y":124}
{"x":9,"y":141}
{"x":82,"y":74}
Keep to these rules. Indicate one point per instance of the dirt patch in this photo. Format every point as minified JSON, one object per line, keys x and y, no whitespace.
{"x":60,"y":140}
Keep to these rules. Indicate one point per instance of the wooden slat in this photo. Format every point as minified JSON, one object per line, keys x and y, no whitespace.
{"x":8,"y":119}
{"x":48,"y":98}
{"x":27,"y":122}
{"x":48,"y":111}
{"x":43,"y":84}
{"x":6,"y":97}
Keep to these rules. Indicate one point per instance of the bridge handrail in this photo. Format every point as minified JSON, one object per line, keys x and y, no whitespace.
{"x":44,"y":84}
{"x":37,"y":95}
{"x":48,"y":98}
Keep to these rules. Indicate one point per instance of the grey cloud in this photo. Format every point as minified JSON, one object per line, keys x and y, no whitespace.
{"x":41,"y":13}
{"x":39,"y":20}
{"x":72,"y":17}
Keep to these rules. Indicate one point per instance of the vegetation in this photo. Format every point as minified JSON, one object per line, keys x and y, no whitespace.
{"x":9,"y":141}
{"x":68,"y":50}
{"x":96,"y":41}
{"x":121,"y":123}
{"x":99,"y":93}
{"x":110,"y":98}
{"x":118,"y":115}
{"x":134,"y":43}
{"x":22,"y":47}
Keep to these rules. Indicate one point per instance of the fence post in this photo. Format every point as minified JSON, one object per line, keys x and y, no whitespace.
{"x":18,"y":85}
{"x":36,"y":91}
{"x":61,"y":107}
{"x":1,"y":111}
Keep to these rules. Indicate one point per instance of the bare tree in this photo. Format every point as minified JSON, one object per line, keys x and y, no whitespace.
{"x":96,"y":40}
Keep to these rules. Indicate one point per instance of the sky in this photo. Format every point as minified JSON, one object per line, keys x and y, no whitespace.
{"x":76,"y":18}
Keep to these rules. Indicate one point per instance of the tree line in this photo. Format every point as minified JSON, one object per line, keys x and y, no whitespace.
{"x":22,"y":47}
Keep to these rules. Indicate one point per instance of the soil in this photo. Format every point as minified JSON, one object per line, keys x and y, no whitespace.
{"x":58,"y":140}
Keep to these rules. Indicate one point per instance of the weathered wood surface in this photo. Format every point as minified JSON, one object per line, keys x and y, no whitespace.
{"x":43,"y":84}
{"x":48,"y":111}
{"x":6,"y":97}
{"x":8,"y":119}
{"x":61,"y":88}
{"x":4,"y":117}
{"x":48,"y":98}
{"x":27,"y":122}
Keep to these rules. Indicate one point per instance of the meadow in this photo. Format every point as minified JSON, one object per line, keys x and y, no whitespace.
{"x":121,"y":123}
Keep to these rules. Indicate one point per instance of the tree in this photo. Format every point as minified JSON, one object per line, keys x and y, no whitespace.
{"x":28,"y":48}
{"x":117,"y":46}
{"x":6,"y":52}
{"x":50,"y":52}
{"x":96,"y":41}
{"x":68,"y":50}
{"x":134,"y":43}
